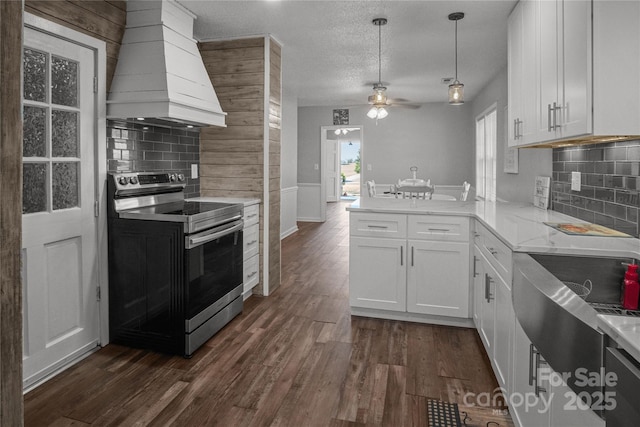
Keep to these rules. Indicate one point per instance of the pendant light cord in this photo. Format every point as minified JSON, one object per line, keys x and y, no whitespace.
{"x":379,"y":55}
{"x":456,"y":37}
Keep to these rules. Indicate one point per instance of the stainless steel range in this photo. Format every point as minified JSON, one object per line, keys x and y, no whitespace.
{"x":175,"y":267}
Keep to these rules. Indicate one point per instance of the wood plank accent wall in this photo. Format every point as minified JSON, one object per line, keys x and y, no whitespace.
{"x":102,"y":19}
{"x":11,"y":402}
{"x":243,"y":159}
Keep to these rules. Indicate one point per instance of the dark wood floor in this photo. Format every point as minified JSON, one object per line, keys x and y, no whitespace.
{"x":295,"y":358}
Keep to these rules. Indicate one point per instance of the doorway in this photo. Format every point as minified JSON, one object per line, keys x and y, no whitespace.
{"x":62,"y":216}
{"x":341,"y":154}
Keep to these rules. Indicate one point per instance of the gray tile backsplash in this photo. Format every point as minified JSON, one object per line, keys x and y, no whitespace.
{"x":142,"y":148}
{"x":610,"y":184}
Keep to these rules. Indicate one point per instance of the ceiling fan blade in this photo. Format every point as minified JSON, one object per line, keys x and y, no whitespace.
{"x":410,"y":106}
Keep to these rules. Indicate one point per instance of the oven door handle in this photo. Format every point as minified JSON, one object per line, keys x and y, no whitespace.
{"x":200,"y":239}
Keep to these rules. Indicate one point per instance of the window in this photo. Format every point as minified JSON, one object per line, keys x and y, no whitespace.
{"x":486,"y":143}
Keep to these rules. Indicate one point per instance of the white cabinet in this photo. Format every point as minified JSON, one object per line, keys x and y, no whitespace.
{"x":416,"y":264}
{"x":377,"y":273}
{"x":565,"y":71}
{"x":492,"y":301}
{"x":251,"y":248}
{"x":533,"y":408}
{"x":544,"y":400}
{"x":560,"y":62}
{"x":438,"y":278}
{"x":522,"y":72}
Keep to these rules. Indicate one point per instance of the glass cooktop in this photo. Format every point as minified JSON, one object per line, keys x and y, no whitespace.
{"x":190,"y":208}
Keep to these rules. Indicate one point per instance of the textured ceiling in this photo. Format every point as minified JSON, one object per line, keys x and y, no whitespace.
{"x":330,"y":48}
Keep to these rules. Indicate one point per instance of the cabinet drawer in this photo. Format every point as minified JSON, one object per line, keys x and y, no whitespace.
{"x":251,"y":270}
{"x":435,"y":227}
{"x":498,"y":254}
{"x":251,"y":214}
{"x":378,"y":225}
{"x":251,"y":240}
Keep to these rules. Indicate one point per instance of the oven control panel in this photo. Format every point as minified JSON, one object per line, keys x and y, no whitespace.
{"x":142,"y":180}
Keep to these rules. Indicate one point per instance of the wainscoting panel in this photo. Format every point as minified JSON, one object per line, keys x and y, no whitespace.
{"x":288,"y":211}
{"x":309,"y":202}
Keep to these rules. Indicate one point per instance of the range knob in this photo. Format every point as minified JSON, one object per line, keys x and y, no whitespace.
{"x":133,"y":180}
{"x":123,"y":180}
{"x":172,"y":177}
{"x":180,"y":177}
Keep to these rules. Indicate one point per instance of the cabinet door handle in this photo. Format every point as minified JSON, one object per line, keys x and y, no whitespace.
{"x":538,"y":388}
{"x":549,"y":121}
{"x":487,"y":287}
{"x":445,"y":230}
{"x":515,"y":128}
{"x":493,"y":251}
{"x":475,"y":273}
{"x":251,"y":216}
{"x":252,"y":274}
{"x":253,"y":242}
{"x":401,"y":255}
{"x":519,"y":127}
{"x":384,"y":227}
{"x":411,"y":256}
{"x":555,"y":116}
{"x":531,"y":351}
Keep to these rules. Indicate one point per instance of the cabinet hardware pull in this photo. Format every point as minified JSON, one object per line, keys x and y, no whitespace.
{"x":377,"y":226}
{"x":401,"y":255}
{"x":252,"y":274}
{"x":555,"y":116}
{"x":515,"y":128}
{"x":476,"y":234}
{"x":253,"y":242}
{"x":487,"y":287}
{"x":475,"y":273}
{"x":251,"y":216}
{"x":439,"y":229}
{"x":549,"y":125}
{"x":519,"y":128}
{"x":531,"y":351}
{"x":411,"y":256}
{"x":537,"y":388}
{"x":492,"y":251}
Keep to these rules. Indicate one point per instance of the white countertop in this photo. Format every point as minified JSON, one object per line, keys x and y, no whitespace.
{"x":247,"y":201}
{"x":519,"y":225}
{"x":624,"y":330}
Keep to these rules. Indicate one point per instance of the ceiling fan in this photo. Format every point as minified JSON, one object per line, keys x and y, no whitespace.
{"x":379,"y":100}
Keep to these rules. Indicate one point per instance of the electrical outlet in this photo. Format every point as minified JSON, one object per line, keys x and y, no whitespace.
{"x":576,"y":178}
{"x":368,"y":166}
{"x":194,"y":171}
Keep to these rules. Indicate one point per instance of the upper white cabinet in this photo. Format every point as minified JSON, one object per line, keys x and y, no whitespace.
{"x":522,"y":71}
{"x":565,"y":72}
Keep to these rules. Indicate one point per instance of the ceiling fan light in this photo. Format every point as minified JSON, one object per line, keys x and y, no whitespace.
{"x":456,"y":93}
{"x":382,"y":113}
{"x":373,"y":113}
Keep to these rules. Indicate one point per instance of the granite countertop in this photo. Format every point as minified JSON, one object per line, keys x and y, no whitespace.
{"x":519,"y":225}
{"x":247,"y":201}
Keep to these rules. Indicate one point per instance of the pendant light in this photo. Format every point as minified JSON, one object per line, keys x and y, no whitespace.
{"x":456,"y":89}
{"x":379,"y":97}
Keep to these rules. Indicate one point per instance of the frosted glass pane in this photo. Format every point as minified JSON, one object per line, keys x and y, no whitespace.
{"x":65,"y":185}
{"x":64,"y":133}
{"x":35,"y":75}
{"x":64,"y":82}
{"x":35,"y":132}
{"x":34,"y":187}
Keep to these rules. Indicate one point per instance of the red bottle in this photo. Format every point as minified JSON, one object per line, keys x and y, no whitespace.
{"x":630,"y":288}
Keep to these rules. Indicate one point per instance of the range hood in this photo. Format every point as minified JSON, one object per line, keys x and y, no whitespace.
{"x":160,"y":76}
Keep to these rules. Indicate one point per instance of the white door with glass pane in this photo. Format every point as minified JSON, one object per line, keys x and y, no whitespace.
{"x":59,"y":238}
